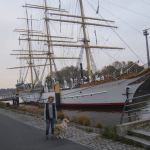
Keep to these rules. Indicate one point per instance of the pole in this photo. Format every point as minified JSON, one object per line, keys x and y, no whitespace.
{"x":50,"y":61}
{"x":85,"y":40}
{"x":30,"y":63}
{"x":146,"y":33}
{"x":127,"y":93}
{"x":81,"y":70}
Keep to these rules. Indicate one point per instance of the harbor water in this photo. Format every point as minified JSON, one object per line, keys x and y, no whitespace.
{"x":107,"y":116}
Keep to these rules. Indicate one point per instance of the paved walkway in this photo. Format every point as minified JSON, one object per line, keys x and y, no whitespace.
{"x":15,"y":135}
{"x":34,"y":125}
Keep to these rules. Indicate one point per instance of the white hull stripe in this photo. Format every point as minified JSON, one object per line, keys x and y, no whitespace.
{"x":86,"y":94}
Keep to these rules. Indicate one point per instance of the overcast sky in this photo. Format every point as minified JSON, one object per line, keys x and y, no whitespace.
{"x":132,"y":19}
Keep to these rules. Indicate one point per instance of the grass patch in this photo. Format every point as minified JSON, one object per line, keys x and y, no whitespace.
{"x":2,"y":105}
{"x":99,"y":124}
{"x":33,"y":110}
{"x":111,"y":134}
{"x":89,"y":130}
{"x":114,"y":128}
{"x":83,"y":120}
{"x":39,"y":111}
{"x":130,"y":133}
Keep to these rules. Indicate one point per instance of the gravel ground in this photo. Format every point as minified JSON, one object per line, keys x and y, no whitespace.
{"x":81,"y":136}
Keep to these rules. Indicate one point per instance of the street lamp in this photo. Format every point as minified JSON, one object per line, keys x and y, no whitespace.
{"x":145,"y":32}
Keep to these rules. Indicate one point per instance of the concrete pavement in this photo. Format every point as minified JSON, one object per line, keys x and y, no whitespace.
{"x":15,"y":135}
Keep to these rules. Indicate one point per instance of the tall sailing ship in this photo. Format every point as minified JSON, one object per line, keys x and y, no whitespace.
{"x":110,"y":90}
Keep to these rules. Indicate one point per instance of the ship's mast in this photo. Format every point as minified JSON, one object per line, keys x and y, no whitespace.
{"x":49,"y":52}
{"x":36,"y":33}
{"x":85,"y":40}
{"x":30,"y":63}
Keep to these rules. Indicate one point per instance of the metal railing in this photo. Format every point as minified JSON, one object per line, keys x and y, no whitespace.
{"x":7,"y":97}
{"x":128,"y":106}
{"x":34,"y":99}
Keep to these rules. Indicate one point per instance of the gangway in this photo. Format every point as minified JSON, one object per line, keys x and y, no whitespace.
{"x":10,"y":97}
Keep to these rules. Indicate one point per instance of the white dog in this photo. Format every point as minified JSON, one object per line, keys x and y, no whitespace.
{"x":60,"y":129}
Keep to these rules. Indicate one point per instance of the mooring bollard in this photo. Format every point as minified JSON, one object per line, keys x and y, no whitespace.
{"x":14,"y":102}
{"x":8,"y":104}
{"x":17,"y":99}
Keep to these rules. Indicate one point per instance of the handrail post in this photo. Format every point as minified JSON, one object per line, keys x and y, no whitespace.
{"x":123,"y":111}
{"x":129,"y":112}
{"x":127,"y":93}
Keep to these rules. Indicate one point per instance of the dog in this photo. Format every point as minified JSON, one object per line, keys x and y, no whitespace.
{"x":60,"y":129}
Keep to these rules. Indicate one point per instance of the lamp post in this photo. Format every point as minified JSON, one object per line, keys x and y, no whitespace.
{"x":145,"y":32}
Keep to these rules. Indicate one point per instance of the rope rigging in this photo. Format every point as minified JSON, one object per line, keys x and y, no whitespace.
{"x":26,"y":75}
{"x":145,"y":2}
{"x":92,"y":61}
{"x":119,"y":36}
{"x":95,"y":36}
{"x":42,"y":75}
{"x":97,"y":12}
{"x":127,"y":9}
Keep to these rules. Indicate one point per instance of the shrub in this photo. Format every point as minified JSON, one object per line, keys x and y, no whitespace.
{"x":22,"y":108}
{"x":14,"y":106}
{"x":99,"y":124}
{"x":2,"y":105}
{"x":66,"y":116}
{"x":79,"y":119}
{"x":86,"y":122}
{"x":60,"y":115}
{"x":35,"y":110}
{"x":83,"y":120}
